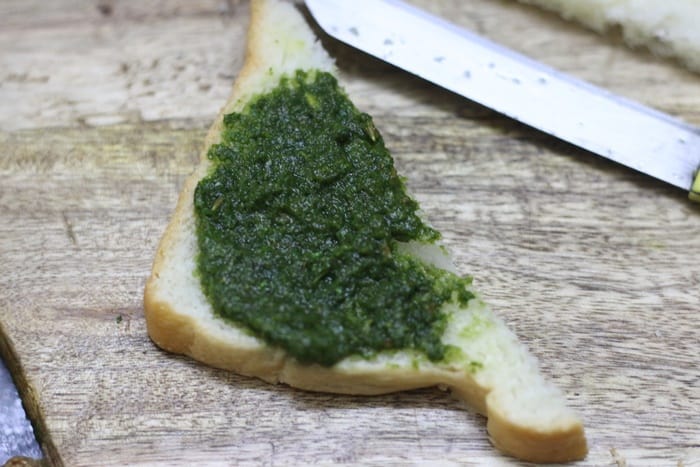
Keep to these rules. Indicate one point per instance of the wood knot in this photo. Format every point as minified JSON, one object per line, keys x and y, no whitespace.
{"x":105,"y":8}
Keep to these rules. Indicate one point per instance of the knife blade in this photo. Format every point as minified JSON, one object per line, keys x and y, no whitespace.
{"x":16,"y":432}
{"x":570,"y":109}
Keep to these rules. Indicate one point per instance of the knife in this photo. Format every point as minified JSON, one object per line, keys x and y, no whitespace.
{"x":570,"y":109}
{"x":16,"y":433}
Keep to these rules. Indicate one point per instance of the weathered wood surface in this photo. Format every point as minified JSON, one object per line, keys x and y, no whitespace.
{"x":102,"y":109}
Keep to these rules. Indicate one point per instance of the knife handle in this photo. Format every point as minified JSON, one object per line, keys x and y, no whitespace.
{"x":694,"y":194}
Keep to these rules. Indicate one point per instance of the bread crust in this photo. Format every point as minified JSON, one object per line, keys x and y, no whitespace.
{"x":560,"y":445}
{"x":174,"y":330}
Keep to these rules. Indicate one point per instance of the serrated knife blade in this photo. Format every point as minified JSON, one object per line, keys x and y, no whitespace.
{"x":587,"y":116}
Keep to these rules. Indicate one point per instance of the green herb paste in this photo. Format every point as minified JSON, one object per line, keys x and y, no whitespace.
{"x":298,"y":227}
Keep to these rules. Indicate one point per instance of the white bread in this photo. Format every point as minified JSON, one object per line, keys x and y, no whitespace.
{"x":527,"y":416}
{"x":668,"y":28}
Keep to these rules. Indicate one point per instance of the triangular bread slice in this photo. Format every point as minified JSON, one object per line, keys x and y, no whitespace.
{"x":668,"y":28}
{"x":527,"y":416}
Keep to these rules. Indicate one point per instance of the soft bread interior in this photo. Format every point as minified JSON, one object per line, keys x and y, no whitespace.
{"x":668,"y":28}
{"x":493,"y":372}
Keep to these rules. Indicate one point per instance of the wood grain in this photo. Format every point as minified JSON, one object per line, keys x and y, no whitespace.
{"x":594,"y":266}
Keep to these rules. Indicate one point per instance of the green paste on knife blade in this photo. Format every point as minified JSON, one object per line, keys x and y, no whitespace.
{"x":299,"y":224}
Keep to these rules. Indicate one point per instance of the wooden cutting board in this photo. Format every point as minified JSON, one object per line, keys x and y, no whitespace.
{"x":103,"y":106}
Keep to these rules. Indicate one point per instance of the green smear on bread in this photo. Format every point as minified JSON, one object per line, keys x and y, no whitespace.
{"x":299,"y":224}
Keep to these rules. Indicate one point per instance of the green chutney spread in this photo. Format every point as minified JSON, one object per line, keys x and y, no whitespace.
{"x":299,"y":224}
